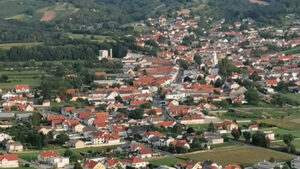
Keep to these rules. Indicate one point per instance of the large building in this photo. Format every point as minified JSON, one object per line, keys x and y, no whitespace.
{"x":105,"y":54}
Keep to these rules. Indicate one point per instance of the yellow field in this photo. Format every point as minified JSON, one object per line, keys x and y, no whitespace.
{"x":28,"y":44}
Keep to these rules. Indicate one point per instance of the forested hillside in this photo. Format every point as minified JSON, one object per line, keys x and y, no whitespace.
{"x":57,"y":25}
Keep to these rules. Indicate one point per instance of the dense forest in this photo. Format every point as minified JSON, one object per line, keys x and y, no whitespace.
{"x":273,"y":13}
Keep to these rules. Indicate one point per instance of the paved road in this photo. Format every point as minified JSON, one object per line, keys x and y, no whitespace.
{"x":30,"y":163}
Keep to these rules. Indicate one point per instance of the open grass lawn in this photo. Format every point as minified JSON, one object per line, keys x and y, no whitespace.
{"x":245,"y":155}
{"x":297,"y":143}
{"x":32,"y":155}
{"x":10,"y":8}
{"x":166,"y":161}
{"x":16,"y":9}
{"x":30,"y":77}
{"x":281,"y":131}
{"x":97,"y":38}
{"x":68,"y":104}
{"x":198,"y":127}
{"x":9,"y":45}
{"x":285,"y":124}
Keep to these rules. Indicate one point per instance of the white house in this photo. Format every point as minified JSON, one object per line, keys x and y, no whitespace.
{"x":135,"y":162}
{"x":9,"y":161}
{"x":59,"y":162}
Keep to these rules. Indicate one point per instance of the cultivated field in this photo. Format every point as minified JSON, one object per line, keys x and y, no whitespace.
{"x":30,"y":77}
{"x":48,"y":16}
{"x":281,"y":123}
{"x":32,"y":155}
{"x":10,"y":45}
{"x":245,"y":155}
{"x":96,"y":38}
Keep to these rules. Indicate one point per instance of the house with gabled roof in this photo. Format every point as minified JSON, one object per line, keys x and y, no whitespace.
{"x":22,"y":88}
{"x":90,"y":164}
{"x":9,"y":161}
{"x":112,"y":163}
{"x":135,"y":162}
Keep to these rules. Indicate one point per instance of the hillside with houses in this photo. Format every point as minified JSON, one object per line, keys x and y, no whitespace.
{"x":190,"y":92}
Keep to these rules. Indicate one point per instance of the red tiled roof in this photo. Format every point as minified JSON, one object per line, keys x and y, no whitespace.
{"x":112,"y":161}
{"x":42,"y":127}
{"x":90,"y":164}
{"x":233,"y":166}
{"x":165,"y":123}
{"x":9,"y":157}
{"x":47,"y":154}
{"x":133,"y":160}
{"x":155,"y":133}
{"x":21,"y":86}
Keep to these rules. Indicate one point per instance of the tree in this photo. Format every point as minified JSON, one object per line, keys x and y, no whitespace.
{"x":183,"y":64}
{"x":211,"y":127}
{"x":287,"y":138}
{"x":247,"y":136}
{"x":62,"y":139}
{"x":68,"y":153}
{"x":255,"y":77}
{"x":187,"y":79}
{"x":282,"y":87}
{"x":190,"y":130}
{"x":252,"y":96}
{"x":291,"y":148}
{"x":218,"y":83}
{"x":259,"y":139}
{"x":197,"y":59}
{"x":77,"y":166}
{"x":62,"y":93}
{"x":236,"y":134}
{"x":226,"y":67}
{"x":4,"y":78}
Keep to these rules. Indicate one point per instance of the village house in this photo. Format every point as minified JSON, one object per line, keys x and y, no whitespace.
{"x":14,"y":147}
{"x":43,"y":129}
{"x":23,"y":88}
{"x":93,"y":165}
{"x":9,"y":161}
{"x":76,"y":143}
{"x":53,"y":158}
{"x":104,"y":137}
{"x":227,"y":125}
{"x":188,"y":165}
{"x":135,"y":162}
{"x":112,"y":163}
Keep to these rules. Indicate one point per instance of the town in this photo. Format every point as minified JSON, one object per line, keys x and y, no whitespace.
{"x":190,"y":96}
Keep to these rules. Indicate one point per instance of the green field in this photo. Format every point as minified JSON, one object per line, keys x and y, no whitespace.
{"x":166,"y":161}
{"x":281,"y":131}
{"x":198,"y":127}
{"x":9,"y":8}
{"x":16,"y":9}
{"x":285,"y":124}
{"x":28,"y":44}
{"x":30,"y":77}
{"x":97,"y":38}
{"x":32,"y":155}
{"x":245,"y":155}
